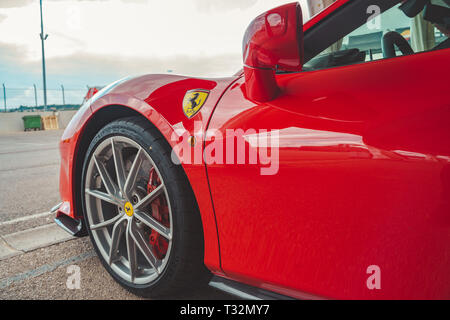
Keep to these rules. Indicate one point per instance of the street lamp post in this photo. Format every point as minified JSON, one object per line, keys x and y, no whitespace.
{"x":4,"y":95}
{"x":35,"y":96}
{"x":63,"y":96}
{"x":43,"y":38}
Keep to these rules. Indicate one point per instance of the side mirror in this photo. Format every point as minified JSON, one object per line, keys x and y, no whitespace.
{"x":273,"y":41}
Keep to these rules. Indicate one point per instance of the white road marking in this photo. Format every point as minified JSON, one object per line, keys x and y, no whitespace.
{"x":26,"y":218}
{"x":45,"y":269}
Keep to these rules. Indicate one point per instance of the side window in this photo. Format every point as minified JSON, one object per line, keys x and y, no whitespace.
{"x":387,"y":35}
{"x":368,"y":37}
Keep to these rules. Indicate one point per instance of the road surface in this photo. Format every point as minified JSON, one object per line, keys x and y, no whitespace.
{"x":37,"y":258}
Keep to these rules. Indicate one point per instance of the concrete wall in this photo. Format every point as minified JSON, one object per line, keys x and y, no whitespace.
{"x":12,"y":122}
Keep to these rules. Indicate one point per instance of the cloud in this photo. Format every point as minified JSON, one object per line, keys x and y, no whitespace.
{"x":14,"y":3}
{"x":115,"y":66}
{"x":12,"y":54}
{"x":14,"y":60}
{"x":214,"y":6}
{"x":22,"y":3}
{"x":77,"y":70}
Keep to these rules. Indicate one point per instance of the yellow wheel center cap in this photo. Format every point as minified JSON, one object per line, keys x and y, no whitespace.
{"x":128,"y":207}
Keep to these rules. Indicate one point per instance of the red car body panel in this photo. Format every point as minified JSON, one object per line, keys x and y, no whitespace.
{"x":153,"y":96}
{"x":363,"y":177}
{"x":363,"y":180}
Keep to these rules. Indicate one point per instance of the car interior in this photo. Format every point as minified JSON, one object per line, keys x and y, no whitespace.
{"x":402,"y":28}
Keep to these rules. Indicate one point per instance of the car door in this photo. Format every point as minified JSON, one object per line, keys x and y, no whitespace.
{"x":362,"y":182}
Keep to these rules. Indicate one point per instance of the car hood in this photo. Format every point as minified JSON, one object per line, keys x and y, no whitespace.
{"x":152,"y":86}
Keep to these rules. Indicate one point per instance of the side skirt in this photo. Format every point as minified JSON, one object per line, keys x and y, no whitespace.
{"x":245,"y":291}
{"x":68,"y":224}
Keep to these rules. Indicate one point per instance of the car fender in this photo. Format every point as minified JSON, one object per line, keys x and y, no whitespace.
{"x":159,"y":99}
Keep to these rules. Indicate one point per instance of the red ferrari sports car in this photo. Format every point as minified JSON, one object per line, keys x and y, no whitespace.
{"x":320,"y":170}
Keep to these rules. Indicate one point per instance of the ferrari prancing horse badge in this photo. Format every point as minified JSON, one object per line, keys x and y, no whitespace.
{"x":193,"y":101}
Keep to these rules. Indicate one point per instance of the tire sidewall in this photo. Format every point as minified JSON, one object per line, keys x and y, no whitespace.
{"x":160,"y":154}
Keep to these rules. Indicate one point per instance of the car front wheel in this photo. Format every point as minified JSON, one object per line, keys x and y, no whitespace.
{"x":140,"y":211}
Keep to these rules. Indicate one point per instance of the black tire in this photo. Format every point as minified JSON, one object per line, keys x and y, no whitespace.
{"x":185,"y":269}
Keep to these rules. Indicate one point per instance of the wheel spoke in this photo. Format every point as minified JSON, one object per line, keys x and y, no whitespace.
{"x":143,"y":246}
{"x":110,"y":186}
{"x":102,"y":196}
{"x":131,"y":249}
{"x":113,"y":178}
{"x":132,"y":175}
{"x":150,"y":197}
{"x":116,"y":235}
{"x":153,"y":224}
{"x":118,"y":163}
{"x":106,"y":223}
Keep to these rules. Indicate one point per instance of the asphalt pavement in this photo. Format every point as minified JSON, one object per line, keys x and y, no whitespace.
{"x":37,"y":259}
{"x":29,"y":173}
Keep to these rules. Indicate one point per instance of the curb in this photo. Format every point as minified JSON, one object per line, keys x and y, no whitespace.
{"x":6,"y":251}
{"x":28,"y":240}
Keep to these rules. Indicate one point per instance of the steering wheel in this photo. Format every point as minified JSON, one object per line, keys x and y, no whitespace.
{"x":394,"y":38}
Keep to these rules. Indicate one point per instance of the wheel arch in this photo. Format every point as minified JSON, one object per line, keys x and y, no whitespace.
{"x":104,"y":114}
{"x":92,"y":126}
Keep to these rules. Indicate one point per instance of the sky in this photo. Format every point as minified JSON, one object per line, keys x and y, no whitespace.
{"x":95,"y":42}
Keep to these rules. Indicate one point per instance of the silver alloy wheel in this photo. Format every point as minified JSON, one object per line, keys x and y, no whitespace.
{"x":120,"y":210}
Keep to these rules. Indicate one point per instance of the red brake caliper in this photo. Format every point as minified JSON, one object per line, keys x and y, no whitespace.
{"x":160,"y":212}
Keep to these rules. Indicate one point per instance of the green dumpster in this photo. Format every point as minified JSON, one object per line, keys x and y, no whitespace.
{"x":32,"y":122}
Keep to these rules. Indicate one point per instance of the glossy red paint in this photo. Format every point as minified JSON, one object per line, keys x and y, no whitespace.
{"x":272,"y":41}
{"x":68,"y":147}
{"x":159,"y":99}
{"x":315,"y":20}
{"x":261,"y":84}
{"x":363,"y":178}
{"x":275,"y":39}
